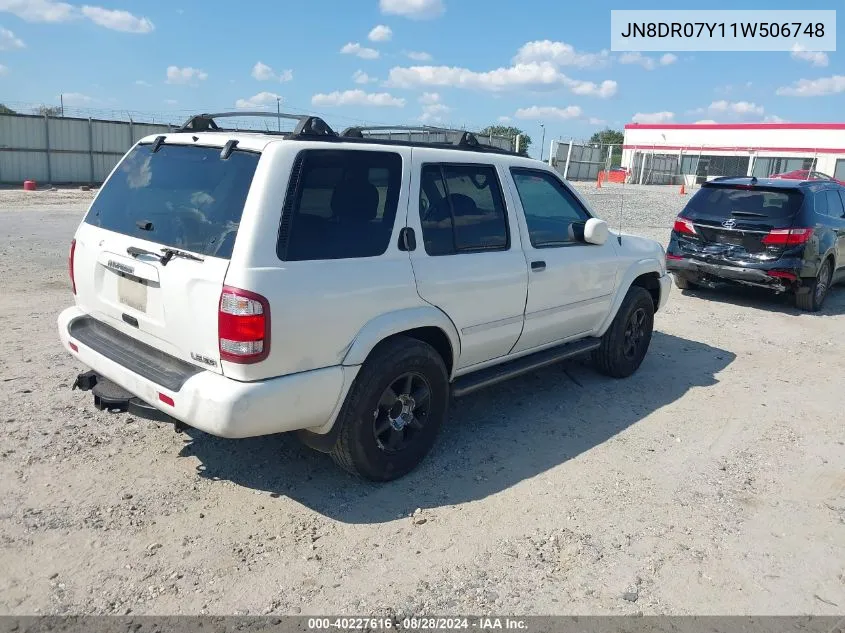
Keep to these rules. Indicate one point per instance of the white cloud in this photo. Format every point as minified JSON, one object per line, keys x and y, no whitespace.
{"x":3,"y":70}
{"x":354,"y":48}
{"x":814,"y":87}
{"x":40,"y":10}
{"x":594,"y":121}
{"x":55,"y":12}
{"x":76,"y":99}
{"x":649,"y":63}
{"x":414,"y":9}
{"x":704,"y":121}
{"x":735,"y":107}
{"x":429,"y":98}
{"x":187,"y":75}
{"x":117,"y":20}
{"x":261,"y":100}
{"x":357,"y":97}
{"x":816,"y":58}
{"x":520,"y":76}
{"x":263,"y":72}
{"x":504,"y":119}
{"x":773,"y":118}
{"x":432,"y":113}
{"x":143,"y":84}
{"x":653,"y":117}
{"x":548,"y":112}
{"x":360,"y":77}
{"x":418,"y":56}
{"x":560,"y":54}
{"x":8,"y":40}
{"x":380,"y":33}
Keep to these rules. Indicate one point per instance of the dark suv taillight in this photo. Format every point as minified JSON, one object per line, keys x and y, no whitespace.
{"x":683,"y":225}
{"x":243,"y":326}
{"x":787,"y":237}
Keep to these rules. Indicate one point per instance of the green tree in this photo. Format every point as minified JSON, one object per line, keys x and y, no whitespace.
{"x":615,"y":138}
{"x":6,"y":110}
{"x":45,"y":110}
{"x":510,"y":132}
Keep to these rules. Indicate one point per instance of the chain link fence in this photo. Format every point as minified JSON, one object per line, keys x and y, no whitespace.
{"x":582,"y":160}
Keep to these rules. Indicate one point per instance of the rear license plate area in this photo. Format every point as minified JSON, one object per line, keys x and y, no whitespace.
{"x":132,"y":293}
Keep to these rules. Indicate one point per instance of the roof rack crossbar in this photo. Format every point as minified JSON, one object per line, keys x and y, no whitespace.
{"x":466,"y":140}
{"x":307,"y":125}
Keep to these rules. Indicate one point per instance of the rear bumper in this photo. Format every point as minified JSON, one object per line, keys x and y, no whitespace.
{"x":224,"y":407}
{"x":759,"y":275}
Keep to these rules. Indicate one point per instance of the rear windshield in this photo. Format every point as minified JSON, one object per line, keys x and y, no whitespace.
{"x":726,"y":202}
{"x":180,"y":196}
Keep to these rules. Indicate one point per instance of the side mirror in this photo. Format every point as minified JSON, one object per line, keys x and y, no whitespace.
{"x":596,"y":231}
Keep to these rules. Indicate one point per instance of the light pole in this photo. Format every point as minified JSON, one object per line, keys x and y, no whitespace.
{"x":543,"y":142}
{"x":278,"y":112}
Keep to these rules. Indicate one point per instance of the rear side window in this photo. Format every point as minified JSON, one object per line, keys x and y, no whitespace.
{"x":340,"y":205}
{"x":181,"y":196}
{"x":727,"y":202}
{"x":834,"y":204}
{"x":462,"y":209}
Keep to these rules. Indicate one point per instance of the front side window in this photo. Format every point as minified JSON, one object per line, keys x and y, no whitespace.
{"x":340,"y":205}
{"x":553,"y":215}
{"x":462,"y":209}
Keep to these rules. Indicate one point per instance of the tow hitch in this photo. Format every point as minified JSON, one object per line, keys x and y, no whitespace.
{"x":115,"y":399}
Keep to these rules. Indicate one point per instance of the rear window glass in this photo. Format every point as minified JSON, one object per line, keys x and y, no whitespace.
{"x":186,"y":196}
{"x":342,"y":205}
{"x":729,"y":202}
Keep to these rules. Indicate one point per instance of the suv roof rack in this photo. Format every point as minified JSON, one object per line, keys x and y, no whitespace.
{"x":307,"y":125}
{"x":466,"y":140}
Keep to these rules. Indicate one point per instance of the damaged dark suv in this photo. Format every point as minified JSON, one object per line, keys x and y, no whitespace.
{"x":785,"y":235}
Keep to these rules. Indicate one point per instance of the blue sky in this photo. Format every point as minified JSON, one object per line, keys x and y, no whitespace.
{"x":462,"y":62}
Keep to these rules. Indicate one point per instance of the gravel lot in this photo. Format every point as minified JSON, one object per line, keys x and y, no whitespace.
{"x":711,"y":482}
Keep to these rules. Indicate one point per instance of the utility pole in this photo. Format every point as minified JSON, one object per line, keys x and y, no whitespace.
{"x":62,"y":102}
{"x":278,"y":113}
{"x":543,"y":142}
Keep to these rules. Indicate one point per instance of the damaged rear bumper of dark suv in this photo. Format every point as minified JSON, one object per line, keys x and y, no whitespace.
{"x":780,"y":275}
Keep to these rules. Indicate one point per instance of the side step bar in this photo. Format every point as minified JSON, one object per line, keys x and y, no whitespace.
{"x":500,"y":373}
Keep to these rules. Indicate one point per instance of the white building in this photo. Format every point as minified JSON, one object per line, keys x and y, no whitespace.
{"x":672,"y":153}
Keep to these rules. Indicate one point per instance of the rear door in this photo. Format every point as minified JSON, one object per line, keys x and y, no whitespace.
{"x":731,"y":223}
{"x":469,"y":260}
{"x":183,"y":197}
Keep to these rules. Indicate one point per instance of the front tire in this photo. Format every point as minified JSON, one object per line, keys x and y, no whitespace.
{"x":811,"y":298}
{"x":393,"y":411}
{"x":624,"y":345}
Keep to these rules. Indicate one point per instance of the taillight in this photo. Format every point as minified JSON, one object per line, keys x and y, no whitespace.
{"x":783,"y":274}
{"x":787,"y":237}
{"x":70,"y":264}
{"x":682,"y":225}
{"x":243,"y":326}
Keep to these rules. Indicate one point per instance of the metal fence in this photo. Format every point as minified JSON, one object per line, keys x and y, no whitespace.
{"x":58,"y":150}
{"x":578,"y":160}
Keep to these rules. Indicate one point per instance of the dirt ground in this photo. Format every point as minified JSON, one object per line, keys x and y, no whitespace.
{"x":711,"y":482}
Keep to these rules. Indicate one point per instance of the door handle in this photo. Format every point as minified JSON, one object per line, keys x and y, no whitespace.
{"x":538,"y":266}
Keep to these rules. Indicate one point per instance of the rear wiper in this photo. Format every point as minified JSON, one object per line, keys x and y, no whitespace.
{"x":170,"y":253}
{"x":165,"y":256}
{"x":749,"y":214}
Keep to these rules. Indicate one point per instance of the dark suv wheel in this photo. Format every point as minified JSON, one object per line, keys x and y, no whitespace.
{"x":626,"y":341}
{"x":393,"y":411}
{"x":811,"y":298}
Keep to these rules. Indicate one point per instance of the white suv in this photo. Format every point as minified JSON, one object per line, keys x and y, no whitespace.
{"x":248,"y":283}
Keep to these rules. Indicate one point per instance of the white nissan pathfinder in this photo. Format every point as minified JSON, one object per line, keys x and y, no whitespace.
{"x":341,"y":286}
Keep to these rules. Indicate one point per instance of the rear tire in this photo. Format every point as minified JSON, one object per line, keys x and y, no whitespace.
{"x":393,"y":411}
{"x":811,"y":298}
{"x":684,"y":283}
{"x":624,"y":345}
